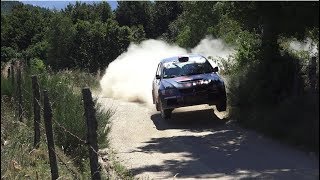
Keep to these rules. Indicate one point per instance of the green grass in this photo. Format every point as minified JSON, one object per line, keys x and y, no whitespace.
{"x":6,"y":87}
{"x":120,"y":170}
{"x":64,"y":89}
{"x":18,"y":158}
{"x":69,"y":125}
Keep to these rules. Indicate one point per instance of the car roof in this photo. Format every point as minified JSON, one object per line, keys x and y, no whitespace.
{"x":175,"y":58}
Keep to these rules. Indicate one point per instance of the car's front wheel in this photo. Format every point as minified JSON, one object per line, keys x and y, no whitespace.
{"x":165,"y":113}
{"x":222,"y":103}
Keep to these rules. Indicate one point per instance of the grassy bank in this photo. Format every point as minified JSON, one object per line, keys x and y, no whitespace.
{"x":18,"y":158}
{"x":69,"y":126}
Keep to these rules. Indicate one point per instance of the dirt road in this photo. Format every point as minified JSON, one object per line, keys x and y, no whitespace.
{"x":199,"y":144}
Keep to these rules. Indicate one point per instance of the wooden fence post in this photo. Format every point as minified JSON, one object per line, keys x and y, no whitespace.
{"x":12,"y":76}
{"x":9,"y":73}
{"x":19,"y":94}
{"x":36,"y":110}
{"x":47,"y":114}
{"x":92,"y":124}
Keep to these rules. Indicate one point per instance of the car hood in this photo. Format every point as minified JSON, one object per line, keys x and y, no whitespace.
{"x":186,"y":81}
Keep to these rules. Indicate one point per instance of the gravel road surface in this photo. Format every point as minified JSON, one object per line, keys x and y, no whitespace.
{"x":199,"y":144}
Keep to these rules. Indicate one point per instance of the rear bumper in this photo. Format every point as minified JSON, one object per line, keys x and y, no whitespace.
{"x":190,"y":100}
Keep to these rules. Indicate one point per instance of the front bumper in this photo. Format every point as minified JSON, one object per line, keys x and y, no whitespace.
{"x":198,"y":98}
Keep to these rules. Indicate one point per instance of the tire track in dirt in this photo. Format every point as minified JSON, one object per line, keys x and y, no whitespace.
{"x":198,"y":144}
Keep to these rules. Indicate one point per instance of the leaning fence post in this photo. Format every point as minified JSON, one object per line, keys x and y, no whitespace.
{"x":12,"y":76}
{"x":19,"y":94}
{"x":36,"y":110}
{"x":92,"y":124}
{"x":9,"y":73}
{"x":47,"y":114}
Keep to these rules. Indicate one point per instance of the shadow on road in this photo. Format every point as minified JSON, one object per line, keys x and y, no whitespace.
{"x":224,"y":151}
{"x":196,"y":120}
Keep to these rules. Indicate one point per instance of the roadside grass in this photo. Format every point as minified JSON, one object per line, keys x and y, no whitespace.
{"x":121,"y":172}
{"x":6,"y":87}
{"x":64,"y":89}
{"x":18,"y":158}
{"x":69,"y":125}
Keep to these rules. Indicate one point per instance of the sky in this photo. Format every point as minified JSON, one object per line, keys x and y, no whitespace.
{"x":62,"y":4}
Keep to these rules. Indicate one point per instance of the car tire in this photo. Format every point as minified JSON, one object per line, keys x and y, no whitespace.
{"x":157,"y":106}
{"x":165,"y":113}
{"x":222,"y":104}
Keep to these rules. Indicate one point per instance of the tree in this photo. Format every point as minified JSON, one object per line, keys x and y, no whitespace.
{"x":60,"y":39}
{"x":164,"y":13}
{"x":104,"y":11}
{"x":135,"y":13}
{"x":194,"y":22}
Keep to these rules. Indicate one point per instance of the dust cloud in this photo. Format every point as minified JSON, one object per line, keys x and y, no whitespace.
{"x":130,"y":76}
{"x":307,"y":46}
{"x":215,"y":48}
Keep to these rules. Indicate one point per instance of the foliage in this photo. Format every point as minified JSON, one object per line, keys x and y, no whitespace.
{"x":164,"y":13}
{"x":8,"y":53}
{"x":7,"y":6}
{"x":196,"y":19}
{"x":87,"y":12}
{"x":98,"y":43}
{"x":134,"y":13}
{"x":37,"y":65}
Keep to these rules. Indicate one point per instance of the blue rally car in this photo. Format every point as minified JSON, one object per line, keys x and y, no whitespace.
{"x":186,"y":81}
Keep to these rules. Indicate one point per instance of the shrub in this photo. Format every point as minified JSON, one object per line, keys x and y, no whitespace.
{"x":271,"y":96}
{"x":37,"y":66}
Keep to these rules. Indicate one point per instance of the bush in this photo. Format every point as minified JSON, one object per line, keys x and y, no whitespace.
{"x":271,"y":97}
{"x":8,"y":53}
{"x":37,"y":66}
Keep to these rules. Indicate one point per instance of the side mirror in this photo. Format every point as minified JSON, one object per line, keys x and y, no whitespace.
{"x":215,"y":69}
{"x":158,"y":76}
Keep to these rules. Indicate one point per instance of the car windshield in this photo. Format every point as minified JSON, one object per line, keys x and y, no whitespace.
{"x":194,"y":66}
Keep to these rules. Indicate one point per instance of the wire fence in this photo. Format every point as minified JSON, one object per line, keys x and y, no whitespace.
{"x":89,"y":106}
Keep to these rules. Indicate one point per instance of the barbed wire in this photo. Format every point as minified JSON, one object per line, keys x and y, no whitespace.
{"x":61,"y":126}
{"x":57,"y":124}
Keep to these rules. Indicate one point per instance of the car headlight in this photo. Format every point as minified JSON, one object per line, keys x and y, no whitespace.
{"x":207,"y":81}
